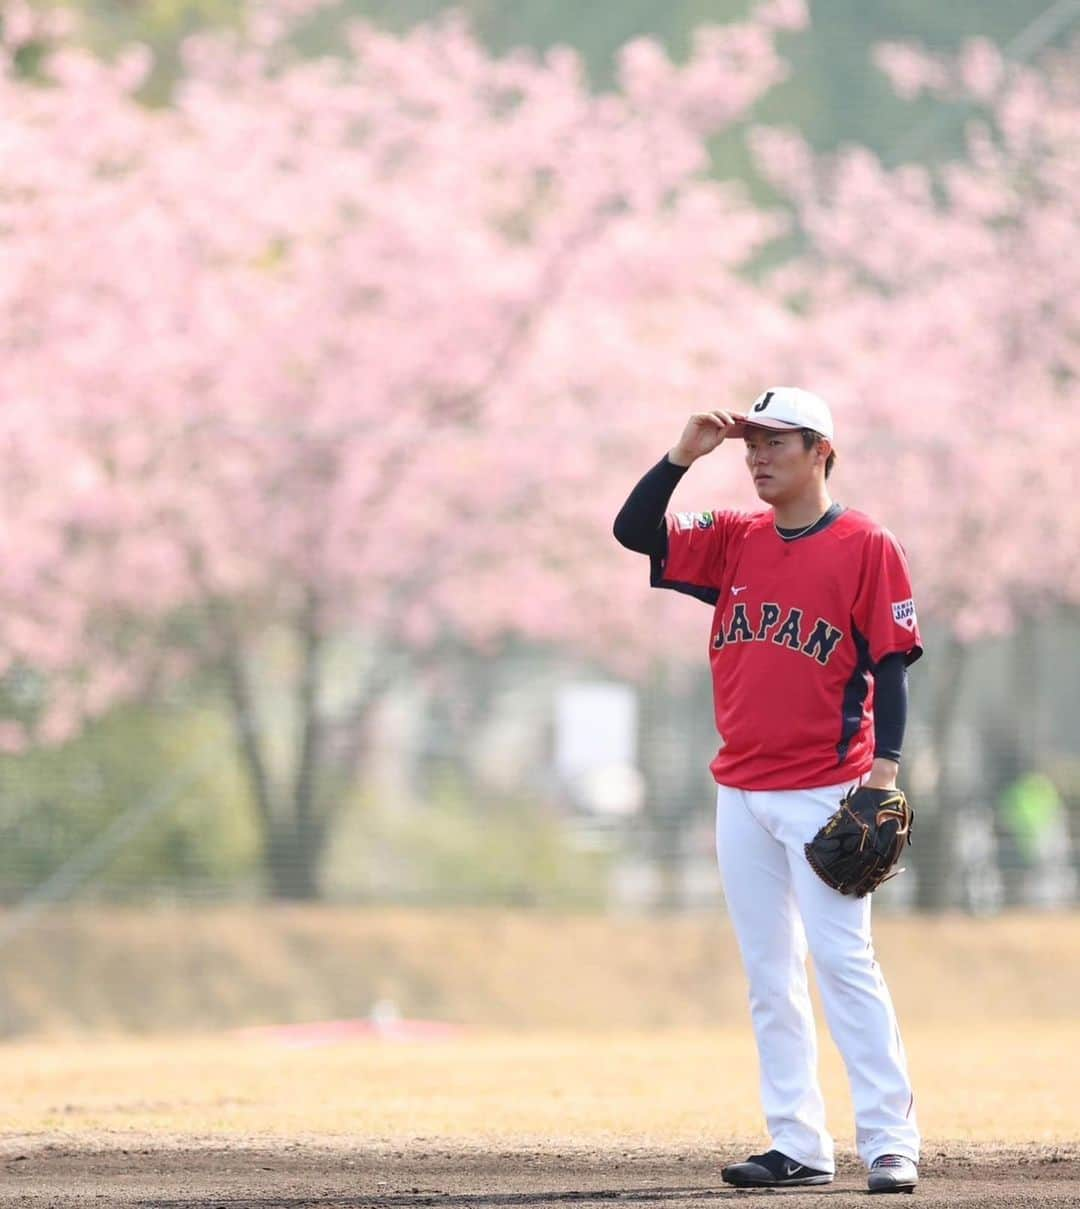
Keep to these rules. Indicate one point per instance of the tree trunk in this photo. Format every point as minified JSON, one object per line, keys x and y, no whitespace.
{"x":309,"y":830}
{"x":293,"y":827}
{"x":1025,"y":707}
{"x":249,"y":739}
{"x":292,"y":862}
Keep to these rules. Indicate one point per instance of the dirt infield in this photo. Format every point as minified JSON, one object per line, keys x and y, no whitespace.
{"x":1013,"y":1085}
{"x":293,"y":1175}
{"x":578,"y":1062}
{"x":503,"y":1120}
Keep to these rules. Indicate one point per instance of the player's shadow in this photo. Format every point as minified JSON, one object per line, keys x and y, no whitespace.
{"x":625,"y":1196}
{"x":494,"y":1200}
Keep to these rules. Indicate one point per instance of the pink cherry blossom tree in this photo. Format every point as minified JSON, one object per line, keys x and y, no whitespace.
{"x":361,"y":349}
{"x":943,"y":320}
{"x":945,"y":325}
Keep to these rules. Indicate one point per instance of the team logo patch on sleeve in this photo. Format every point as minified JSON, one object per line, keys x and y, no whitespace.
{"x":903,"y":612}
{"x":693,"y":520}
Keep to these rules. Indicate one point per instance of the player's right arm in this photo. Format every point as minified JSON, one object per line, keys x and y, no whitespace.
{"x":640,"y":524}
{"x":704,"y":432}
{"x":691,"y":541}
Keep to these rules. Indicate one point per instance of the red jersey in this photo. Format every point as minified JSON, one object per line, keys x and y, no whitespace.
{"x":798,"y":627}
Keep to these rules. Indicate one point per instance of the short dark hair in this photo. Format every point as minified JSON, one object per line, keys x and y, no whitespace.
{"x":809,"y":439}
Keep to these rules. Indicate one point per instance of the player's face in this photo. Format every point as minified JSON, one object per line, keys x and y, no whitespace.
{"x":780,"y":464}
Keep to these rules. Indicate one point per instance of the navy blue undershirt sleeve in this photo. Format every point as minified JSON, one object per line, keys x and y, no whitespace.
{"x":640,"y":524}
{"x":890,"y":706}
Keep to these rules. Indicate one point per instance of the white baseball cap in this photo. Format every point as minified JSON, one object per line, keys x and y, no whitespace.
{"x":786,"y":407}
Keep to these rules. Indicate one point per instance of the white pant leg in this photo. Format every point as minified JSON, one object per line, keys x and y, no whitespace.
{"x":754,"y":869}
{"x":857,"y":1003}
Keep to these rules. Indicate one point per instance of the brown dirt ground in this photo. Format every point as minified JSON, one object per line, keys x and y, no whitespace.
{"x":164,"y":1172}
{"x":503,"y":1120}
{"x":597,"y":1062}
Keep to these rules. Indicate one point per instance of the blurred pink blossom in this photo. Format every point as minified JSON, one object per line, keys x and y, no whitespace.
{"x":942,"y":318}
{"x":374,"y":342}
{"x":910,"y":70}
{"x":783,"y":14}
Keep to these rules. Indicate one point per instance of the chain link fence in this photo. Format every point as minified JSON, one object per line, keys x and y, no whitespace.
{"x":527,"y":780}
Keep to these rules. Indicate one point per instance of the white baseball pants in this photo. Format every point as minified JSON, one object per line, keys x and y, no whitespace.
{"x":779,"y":908}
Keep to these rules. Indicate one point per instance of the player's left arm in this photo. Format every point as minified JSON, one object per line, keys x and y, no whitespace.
{"x":884,"y":613}
{"x":890,"y":719}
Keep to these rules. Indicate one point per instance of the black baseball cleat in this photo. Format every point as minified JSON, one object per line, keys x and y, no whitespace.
{"x":892,"y":1173}
{"x":772,"y":1170}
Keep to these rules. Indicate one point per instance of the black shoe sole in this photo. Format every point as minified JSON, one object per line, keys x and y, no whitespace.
{"x":894,"y":1188}
{"x":802,"y":1182}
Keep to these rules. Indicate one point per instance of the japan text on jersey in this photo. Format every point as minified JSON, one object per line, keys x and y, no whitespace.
{"x":817,"y":640}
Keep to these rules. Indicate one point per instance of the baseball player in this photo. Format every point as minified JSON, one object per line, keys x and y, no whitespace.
{"x":812,"y":632}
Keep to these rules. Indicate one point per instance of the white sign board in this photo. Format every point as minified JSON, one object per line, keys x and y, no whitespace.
{"x":596,"y":745}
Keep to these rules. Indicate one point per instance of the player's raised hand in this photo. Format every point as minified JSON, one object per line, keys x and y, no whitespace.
{"x":704,"y":431}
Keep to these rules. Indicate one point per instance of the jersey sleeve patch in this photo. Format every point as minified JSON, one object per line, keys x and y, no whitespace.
{"x":685,"y":521}
{"x":903,"y":612}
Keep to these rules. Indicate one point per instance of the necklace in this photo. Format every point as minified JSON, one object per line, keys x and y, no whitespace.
{"x":790,"y":537}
